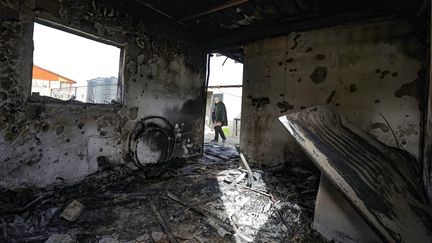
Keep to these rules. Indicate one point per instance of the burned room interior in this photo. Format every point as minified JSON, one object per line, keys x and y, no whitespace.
{"x":335,"y":142}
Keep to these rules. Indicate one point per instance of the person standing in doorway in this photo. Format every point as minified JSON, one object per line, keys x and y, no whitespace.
{"x":219,"y":117}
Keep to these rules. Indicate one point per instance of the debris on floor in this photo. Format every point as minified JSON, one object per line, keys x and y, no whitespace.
{"x":201,"y":200}
{"x":72,"y":211}
{"x":60,"y":238}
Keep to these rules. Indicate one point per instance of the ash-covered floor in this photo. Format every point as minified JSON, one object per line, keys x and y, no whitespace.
{"x":208,"y":199}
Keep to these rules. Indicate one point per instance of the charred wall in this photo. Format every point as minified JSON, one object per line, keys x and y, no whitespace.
{"x":371,"y":73}
{"x":43,"y":142}
{"x":426,"y":26}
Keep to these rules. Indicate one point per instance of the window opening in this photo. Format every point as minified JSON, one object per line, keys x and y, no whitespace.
{"x":69,"y":67}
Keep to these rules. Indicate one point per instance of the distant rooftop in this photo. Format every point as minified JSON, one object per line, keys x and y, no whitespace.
{"x":45,"y":74}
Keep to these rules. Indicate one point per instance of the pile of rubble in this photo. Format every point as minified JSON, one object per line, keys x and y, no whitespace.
{"x":209,"y":199}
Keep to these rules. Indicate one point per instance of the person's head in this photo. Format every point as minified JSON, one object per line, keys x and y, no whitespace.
{"x":217,"y":100}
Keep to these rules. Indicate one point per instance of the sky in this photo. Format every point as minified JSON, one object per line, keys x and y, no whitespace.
{"x":231,"y":73}
{"x":72,"y":56}
{"x":82,"y":59}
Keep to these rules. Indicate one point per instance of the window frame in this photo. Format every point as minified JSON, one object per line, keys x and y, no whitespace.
{"x":120,"y":78}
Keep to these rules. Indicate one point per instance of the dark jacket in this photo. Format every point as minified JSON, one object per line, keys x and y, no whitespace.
{"x":220,"y":114}
{"x":213,"y":115}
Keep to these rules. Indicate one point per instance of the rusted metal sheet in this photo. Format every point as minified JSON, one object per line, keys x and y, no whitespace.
{"x":382,"y":184}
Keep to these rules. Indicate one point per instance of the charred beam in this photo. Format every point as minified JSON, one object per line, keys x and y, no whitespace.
{"x":143,"y":3}
{"x":226,"y":5}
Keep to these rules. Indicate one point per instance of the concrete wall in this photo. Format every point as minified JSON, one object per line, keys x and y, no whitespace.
{"x":361,"y":70}
{"x":43,"y":142}
{"x":427,"y":152}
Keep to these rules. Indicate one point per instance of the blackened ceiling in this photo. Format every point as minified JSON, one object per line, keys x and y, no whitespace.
{"x":224,"y":25}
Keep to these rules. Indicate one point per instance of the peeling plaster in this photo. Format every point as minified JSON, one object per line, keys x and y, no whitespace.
{"x":319,"y":75}
{"x":411,"y":89}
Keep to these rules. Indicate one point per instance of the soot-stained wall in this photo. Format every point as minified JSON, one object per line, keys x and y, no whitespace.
{"x":43,"y":142}
{"x":368,"y":72}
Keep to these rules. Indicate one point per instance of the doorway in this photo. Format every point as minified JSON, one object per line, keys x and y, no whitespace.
{"x":225,"y":82}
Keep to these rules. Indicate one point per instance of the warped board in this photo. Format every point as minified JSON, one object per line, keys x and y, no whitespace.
{"x":381,"y":183}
